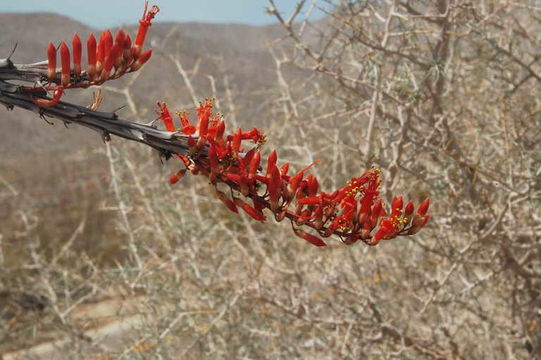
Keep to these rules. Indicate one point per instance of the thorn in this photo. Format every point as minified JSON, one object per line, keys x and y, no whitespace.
{"x":119,"y":108}
{"x":164,"y":155}
{"x":152,"y":123}
{"x":42,"y":116}
{"x":12,"y":51}
{"x":66,"y":124}
{"x":7,"y":63}
{"x":106,"y":137}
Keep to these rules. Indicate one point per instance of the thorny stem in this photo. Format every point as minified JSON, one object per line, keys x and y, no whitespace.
{"x":105,"y":123}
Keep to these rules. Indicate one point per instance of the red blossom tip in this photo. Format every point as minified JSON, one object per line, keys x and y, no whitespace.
{"x":127,"y":42}
{"x":254,"y":213}
{"x":220,"y":129}
{"x":108,"y":42}
{"x":187,"y":127}
{"x":100,"y":54}
{"x":274,"y":187}
{"x":408,"y":209}
{"x":51,"y":56}
{"x":127,"y":53}
{"x":144,"y":24}
{"x":77,"y":53}
{"x":66,"y":67}
{"x":312,"y":185}
{"x":115,"y":52}
{"x":271,"y":162}
{"x":423,"y":208}
{"x":204,"y":111}
{"x":141,"y":60}
{"x":91,"y":56}
{"x":284,"y":169}
{"x":177,"y":176}
{"x":228,"y":202}
{"x":165,"y":116}
{"x":120,"y":38}
{"x":254,"y":165}
{"x":396,"y":206}
{"x":314,"y":240}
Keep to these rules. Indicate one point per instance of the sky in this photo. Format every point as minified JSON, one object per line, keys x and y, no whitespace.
{"x":109,"y":13}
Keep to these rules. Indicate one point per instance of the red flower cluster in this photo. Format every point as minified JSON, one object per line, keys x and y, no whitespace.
{"x":353,"y":212}
{"x":106,"y":59}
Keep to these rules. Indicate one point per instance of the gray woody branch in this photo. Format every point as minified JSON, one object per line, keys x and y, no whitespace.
{"x":13,"y":94}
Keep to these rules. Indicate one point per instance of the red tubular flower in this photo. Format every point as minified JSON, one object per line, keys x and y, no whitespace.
{"x":284,"y":169}
{"x":187,"y":128}
{"x":119,"y":41}
{"x":204,"y":113}
{"x":377,"y":212}
{"x":423,"y":208}
{"x":295,"y":181}
{"x":420,"y":219}
{"x":108,"y":43}
{"x":229,"y":203}
{"x":396,"y":206}
{"x":314,"y":200}
{"x":409,"y":209}
{"x":77,"y":54}
{"x":165,"y":116}
{"x":386,"y":231}
{"x":66,"y":68}
{"x":254,"y":213}
{"x":254,"y":166}
{"x":51,"y":56}
{"x":177,"y":176}
{"x":271,"y":161}
{"x":120,"y":38}
{"x":127,"y":54}
{"x":100,"y":54}
{"x":220,"y":129}
{"x":113,"y":56}
{"x":312,"y":185}
{"x":141,"y":60}
{"x":314,"y":240}
{"x":91,"y":56}
{"x":236,"y":140}
{"x":274,"y":188}
{"x":144,"y":24}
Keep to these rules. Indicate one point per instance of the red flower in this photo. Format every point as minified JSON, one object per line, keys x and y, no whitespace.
{"x":352,"y":213}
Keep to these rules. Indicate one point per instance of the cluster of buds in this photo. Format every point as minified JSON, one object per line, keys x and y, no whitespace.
{"x":352,"y":213}
{"x":107,"y":59}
